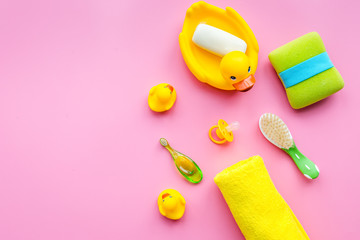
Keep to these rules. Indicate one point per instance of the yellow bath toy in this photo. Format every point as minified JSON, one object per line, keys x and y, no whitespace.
{"x":171,"y":204}
{"x":161,"y":97}
{"x":219,"y":47}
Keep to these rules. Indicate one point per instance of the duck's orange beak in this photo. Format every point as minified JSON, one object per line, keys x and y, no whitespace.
{"x":246,"y":84}
{"x":165,"y":195}
{"x":170,"y":87}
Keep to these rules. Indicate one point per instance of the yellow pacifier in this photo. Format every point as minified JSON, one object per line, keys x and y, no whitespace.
{"x":224,"y":131}
{"x":161,"y":97}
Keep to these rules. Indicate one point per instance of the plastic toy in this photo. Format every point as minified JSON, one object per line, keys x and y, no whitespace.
{"x":224,"y":131}
{"x":256,"y":205}
{"x":306,"y":71}
{"x":161,"y":97}
{"x":276,"y":131}
{"x":171,"y":204}
{"x":186,"y":166}
{"x":219,"y":47}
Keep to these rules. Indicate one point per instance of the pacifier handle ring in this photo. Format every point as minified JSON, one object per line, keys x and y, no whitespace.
{"x":211,"y":137}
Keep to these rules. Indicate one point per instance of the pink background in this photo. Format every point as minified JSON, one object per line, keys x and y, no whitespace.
{"x":79,"y":147}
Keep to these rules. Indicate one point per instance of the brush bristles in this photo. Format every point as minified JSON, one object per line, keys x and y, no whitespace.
{"x":275,"y":130}
{"x":163,"y":142}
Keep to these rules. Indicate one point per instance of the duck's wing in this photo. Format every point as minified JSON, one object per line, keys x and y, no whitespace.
{"x":190,"y":59}
{"x":250,"y":38}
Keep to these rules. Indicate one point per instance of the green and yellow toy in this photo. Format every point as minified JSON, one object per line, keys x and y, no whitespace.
{"x":171,"y":204}
{"x":186,"y":166}
{"x":219,"y":47}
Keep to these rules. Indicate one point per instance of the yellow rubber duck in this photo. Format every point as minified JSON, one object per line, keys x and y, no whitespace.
{"x":171,"y":204}
{"x":161,"y":97}
{"x":233,"y":71}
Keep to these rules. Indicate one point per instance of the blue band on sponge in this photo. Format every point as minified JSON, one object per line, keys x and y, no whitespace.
{"x":306,"y":69}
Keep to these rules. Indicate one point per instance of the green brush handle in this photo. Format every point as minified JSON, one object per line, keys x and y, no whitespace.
{"x":305,"y":165}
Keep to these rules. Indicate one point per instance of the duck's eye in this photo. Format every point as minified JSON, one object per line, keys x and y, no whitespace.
{"x":170,"y":196}
{"x":163,"y":200}
{"x":249,"y":69}
{"x":233,"y":78}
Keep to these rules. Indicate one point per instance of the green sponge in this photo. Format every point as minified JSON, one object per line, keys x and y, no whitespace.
{"x":306,"y":70}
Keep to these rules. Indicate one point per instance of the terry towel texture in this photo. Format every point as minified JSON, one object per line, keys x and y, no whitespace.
{"x":258,"y":208}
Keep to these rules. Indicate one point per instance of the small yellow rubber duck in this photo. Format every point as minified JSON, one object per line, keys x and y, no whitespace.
{"x":171,"y":204}
{"x":161,"y":97}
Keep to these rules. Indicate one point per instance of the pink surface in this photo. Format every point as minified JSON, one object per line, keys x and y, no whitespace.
{"x":79,"y":148}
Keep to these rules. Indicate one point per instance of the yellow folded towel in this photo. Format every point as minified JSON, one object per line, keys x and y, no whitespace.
{"x":258,"y":208}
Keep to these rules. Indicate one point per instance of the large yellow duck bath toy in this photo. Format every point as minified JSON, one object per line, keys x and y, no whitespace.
{"x":219,"y":47}
{"x":171,"y":204}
